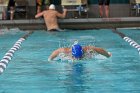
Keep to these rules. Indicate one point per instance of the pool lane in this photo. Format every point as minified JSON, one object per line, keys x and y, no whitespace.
{"x":30,"y":72}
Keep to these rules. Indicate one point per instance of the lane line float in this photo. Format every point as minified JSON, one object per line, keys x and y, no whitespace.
{"x":8,"y":56}
{"x":128,"y":39}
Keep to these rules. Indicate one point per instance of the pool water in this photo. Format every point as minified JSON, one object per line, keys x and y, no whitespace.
{"x":30,"y":72}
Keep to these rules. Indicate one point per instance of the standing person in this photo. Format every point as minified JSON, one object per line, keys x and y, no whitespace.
{"x":42,"y":4}
{"x":50,"y":17}
{"x":46,"y":4}
{"x":2,"y":10}
{"x":39,"y":4}
{"x":102,"y":7}
{"x":11,"y":8}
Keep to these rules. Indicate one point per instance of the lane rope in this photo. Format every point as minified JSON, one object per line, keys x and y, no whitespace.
{"x":129,"y":40}
{"x":132,"y":43}
{"x":8,"y":56}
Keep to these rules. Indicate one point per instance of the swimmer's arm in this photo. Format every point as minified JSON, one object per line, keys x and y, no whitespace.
{"x":39,"y":15}
{"x":54,"y":54}
{"x":63,"y":15}
{"x":102,"y":51}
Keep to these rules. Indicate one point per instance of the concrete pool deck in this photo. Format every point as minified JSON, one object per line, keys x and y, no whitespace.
{"x":86,"y":23}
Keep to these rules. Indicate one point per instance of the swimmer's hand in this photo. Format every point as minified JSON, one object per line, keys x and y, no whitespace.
{"x":109,"y":54}
{"x":49,"y":59}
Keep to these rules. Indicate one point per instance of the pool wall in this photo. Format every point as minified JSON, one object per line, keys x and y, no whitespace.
{"x":87,"y":23}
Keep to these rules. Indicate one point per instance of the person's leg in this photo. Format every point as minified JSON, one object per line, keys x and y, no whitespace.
{"x":39,"y":6}
{"x":12,"y":13}
{"x":38,"y":9}
{"x":107,"y":11}
{"x":100,"y":7}
{"x":101,"y":10}
{"x":4,"y":14}
{"x":107,"y":2}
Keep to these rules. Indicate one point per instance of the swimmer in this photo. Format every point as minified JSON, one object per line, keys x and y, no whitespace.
{"x":50,"y":17}
{"x":77,"y":51}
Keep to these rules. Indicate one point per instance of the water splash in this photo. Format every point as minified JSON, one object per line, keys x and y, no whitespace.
{"x":83,"y":41}
{"x":4,"y":31}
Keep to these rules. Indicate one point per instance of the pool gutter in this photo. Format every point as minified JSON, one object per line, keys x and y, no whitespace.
{"x":86,"y":23}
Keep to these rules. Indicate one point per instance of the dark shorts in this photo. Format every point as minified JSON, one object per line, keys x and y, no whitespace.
{"x":102,"y":2}
{"x":11,"y":3}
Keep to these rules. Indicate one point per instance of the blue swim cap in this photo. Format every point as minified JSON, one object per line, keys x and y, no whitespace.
{"x":77,"y":51}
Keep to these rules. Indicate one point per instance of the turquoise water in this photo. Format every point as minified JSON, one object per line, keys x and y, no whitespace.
{"x":30,"y":72}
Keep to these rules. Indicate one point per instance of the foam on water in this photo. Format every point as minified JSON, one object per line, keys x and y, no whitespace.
{"x":12,"y":31}
{"x":83,"y":40}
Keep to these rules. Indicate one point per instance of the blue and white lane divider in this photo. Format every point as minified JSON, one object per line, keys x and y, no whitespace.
{"x":129,"y":40}
{"x":132,"y":43}
{"x":8,"y":56}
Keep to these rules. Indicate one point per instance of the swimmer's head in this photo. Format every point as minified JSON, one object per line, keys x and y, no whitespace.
{"x":77,"y":51}
{"x":52,"y":6}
